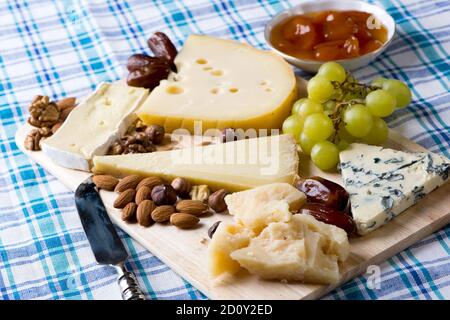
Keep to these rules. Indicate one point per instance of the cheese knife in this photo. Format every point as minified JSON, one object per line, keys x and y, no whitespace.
{"x":105,"y":243}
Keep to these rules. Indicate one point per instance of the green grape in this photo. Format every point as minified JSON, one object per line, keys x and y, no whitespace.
{"x":380,"y":103}
{"x":306,"y":143}
{"x":318,"y":126}
{"x":325,"y":155}
{"x":378,"y":82}
{"x":297,"y":105}
{"x":343,"y":134}
{"x":342,"y":145}
{"x":329,"y":106}
{"x":293,"y":125}
{"x":379,"y":132}
{"x":320,"y":88}
{"x":309,"y":107}
{"x":358,"y":120}
{"x":333,"y":71}
{"x":399,"y":90}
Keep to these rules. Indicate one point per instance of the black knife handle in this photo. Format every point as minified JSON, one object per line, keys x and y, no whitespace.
{"x":128,"y":284}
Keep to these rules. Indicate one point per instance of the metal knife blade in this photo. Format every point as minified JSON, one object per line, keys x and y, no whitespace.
{"x":103,"y":238}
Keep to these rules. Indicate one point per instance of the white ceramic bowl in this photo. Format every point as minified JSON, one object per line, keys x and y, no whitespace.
{"x":339,"y":5}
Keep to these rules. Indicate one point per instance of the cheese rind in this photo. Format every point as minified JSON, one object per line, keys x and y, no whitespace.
{"x":222,"y":83}
{"x":94,"y":125}
{"x":235,"y":166}
{"x":383,"y":183}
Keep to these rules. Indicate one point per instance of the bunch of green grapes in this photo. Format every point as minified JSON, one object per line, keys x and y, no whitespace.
{"x":339,"y":110}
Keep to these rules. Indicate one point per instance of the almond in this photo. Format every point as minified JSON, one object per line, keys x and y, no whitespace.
{"x":65,"y":113}
{"x":144,"y":211}
{"x":183,"y":220}
{"x":129,"y":182}
{"x":194,"y":207}
{"x":66,"y":103}
{"x":143,"y":193}
{"x":105,"y":182}
{"x":124,"y":198}
{"x":162,"y":213}
{"x":56,"y":126}
{"x":150,"y":182}
{"x":129,"y":212}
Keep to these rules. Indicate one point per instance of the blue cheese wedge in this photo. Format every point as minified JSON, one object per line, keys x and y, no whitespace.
{"x":383,"y":183}
{"x":94,"y":125}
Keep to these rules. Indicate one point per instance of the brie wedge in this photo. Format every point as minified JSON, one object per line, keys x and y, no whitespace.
{"x":94,"y":125}
{"x":383,"y":183}
{"x":235,"y":166}
{"x":222,"y":83}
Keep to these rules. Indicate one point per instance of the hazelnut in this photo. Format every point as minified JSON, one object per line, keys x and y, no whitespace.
{"x":182,"y":187}
{"x":216,"y":201}
{"x":164,"y":194}
{"x":155,"y":133}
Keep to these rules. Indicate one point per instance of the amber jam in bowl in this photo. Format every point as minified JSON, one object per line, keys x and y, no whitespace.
{"x":352,"y":33}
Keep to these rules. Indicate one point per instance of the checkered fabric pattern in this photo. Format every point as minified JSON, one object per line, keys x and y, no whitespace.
{"x":64,"y":48}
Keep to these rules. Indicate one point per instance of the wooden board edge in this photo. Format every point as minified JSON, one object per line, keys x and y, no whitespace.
{"x":413,"y":238}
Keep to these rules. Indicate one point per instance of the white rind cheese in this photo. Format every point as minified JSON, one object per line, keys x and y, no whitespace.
{"x":383,"y":183}
{"x":94,"y":125}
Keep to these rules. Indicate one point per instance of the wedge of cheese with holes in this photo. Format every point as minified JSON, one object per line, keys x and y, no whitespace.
{"x":235,"y":166}
{"x":222,"y":83}
{"x":94,"y":125}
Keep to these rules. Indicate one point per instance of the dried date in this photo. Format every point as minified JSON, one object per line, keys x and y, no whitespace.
{"x":330,"y":216}
{"x":162,"y":47}
{"x":320,"y":190}
{"x":138,"y":60}
{"x":150,"y":74}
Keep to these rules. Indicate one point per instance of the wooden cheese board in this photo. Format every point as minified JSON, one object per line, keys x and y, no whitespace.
{"x":185,"y":251}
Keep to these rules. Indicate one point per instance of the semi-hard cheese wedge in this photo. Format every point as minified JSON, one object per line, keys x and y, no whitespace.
{"x":383,"y":183}
{"x":94,"y":125}
{"x":235,"y":166}
{"x":222,"y":83}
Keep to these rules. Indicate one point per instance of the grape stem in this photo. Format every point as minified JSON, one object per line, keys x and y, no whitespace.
{"x":348,"y":93}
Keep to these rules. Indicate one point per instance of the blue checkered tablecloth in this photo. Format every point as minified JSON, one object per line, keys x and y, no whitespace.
{"x":66,"y":47}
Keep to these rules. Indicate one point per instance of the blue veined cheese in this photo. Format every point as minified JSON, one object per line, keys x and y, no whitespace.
{"x":383,"y":183}
{"x":96,"y":123}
